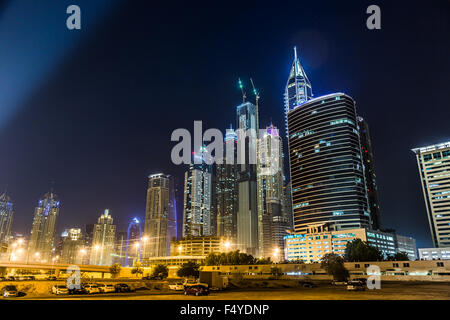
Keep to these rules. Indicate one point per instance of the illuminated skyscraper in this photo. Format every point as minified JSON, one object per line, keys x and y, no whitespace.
{"x":6,"y":217}
{"x":73,"y":250}
{"x":328,"y":183}
{"x":434,"y":170}
{"x":133,"y":239}
{"x":226,"y":192}
{"x":369,"y":172}
{"x":298,"y":88}
{"x":197,"y":201}
{"x":43,"y":230}
{"x":103,"y":240}
{"x":159,"y":212}
{"x":271,"y":219}
{"x":247,"y":215}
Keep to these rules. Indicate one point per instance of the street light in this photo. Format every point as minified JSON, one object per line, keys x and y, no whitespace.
{"x":180,"y":248}
{"x":136,"y":245}
{"x":276,"y":253}
{"x":144,"y":240}
{"x":227,"y":245}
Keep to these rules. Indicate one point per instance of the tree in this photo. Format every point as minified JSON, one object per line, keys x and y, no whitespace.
{"x":231,"y":258}
{"x":189,"y":269}
{"x":358,"y":250}
{"x":114,"y":269}
{"x":160,"y":270}
{"x":263,"y":261}
{"x":399,"y":256}
{"x":137,"y":269}
{"x":334,"y":265}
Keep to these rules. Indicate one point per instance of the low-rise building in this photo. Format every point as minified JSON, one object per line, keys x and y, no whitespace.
{"x":434,"y":253}
{"x":408,"y":245}
{"x":318,"y":241}
{"x":199,"y":246}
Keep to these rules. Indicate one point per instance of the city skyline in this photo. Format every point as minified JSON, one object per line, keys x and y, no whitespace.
{"x":80,"y":201}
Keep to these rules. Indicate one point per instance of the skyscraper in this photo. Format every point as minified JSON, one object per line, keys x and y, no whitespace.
{"x":271,"y":220}
{"x":328,"y":184}
{"x":298,"y":88}
{"x":226,"y":191}
{"x":159,"y":212}
{"x":103,"y":240}
{"x":434,"y":167}
{"x":247,"y":215}
{"x":133,"y":239}
{"x":6,"y":217}
{"x":72,"y":246}
{"x":43,"y":230}
{"x":197,"y":201}
{"x":369,"y":173}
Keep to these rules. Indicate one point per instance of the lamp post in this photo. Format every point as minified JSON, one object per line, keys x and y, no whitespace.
{"x":136,"y":245}
{"x":276,"y":253}
{"x":83,"y":252}
{"x":144,"y":240}
{"x":180,"y":248}
{"x":96,"y":248}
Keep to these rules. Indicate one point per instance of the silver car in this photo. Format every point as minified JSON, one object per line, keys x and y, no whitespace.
{"x":10,"y":291}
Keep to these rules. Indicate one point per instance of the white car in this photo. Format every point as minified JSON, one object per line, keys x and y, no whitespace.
{"x":105,"y":288}
{"x":91,"y":288}
{"x":60,"y":289}
{"x":176,"y":286}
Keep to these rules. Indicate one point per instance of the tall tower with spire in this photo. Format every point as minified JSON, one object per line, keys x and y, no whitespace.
{"x":298,"y":88}
{"x":6,"y":216}
{"x":43,"y":230}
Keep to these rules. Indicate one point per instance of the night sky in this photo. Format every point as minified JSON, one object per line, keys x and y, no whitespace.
{"x":93,"y":110}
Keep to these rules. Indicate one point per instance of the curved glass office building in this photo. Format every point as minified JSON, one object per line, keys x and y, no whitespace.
{"x":328,"y":185}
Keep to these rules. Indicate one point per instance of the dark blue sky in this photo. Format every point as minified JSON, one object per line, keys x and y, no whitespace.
{"x":93,"y":109}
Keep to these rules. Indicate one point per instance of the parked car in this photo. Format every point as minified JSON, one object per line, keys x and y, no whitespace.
{"x":105,"y":288}
{"x":91,"y":288}
{"x":77,"y":290}
{"x":51,"y":278}
{"x":356,"y":286}
{"x":30,"y":277}
{"x":196,"y":290}
{"x":123,"y":287}
{"x":308,"y":284}
{"x":178,"y":286}
{"x":60,"y":289}
{"x":155,"y":277}
{"x":2,"y":279}
{"x":338,"y":283}
{"x":10,"y":291}
{"x":363,"y":280}
{"x":10,"y":278}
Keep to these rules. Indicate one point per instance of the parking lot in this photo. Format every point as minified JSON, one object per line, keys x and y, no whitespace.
{"x":388,"y":291}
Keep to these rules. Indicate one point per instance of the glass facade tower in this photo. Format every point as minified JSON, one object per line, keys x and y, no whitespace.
{"x":6,"y":217}
{"x":43,"y":230}
{"x":434,"y":170}
{"x":327,"y":175}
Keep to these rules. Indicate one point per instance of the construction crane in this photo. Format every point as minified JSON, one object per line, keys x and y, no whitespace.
{"x":255,"y":92}
{"x":241,"y":86}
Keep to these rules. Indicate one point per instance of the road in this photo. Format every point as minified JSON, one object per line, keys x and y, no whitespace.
{"x":390,"y":291}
